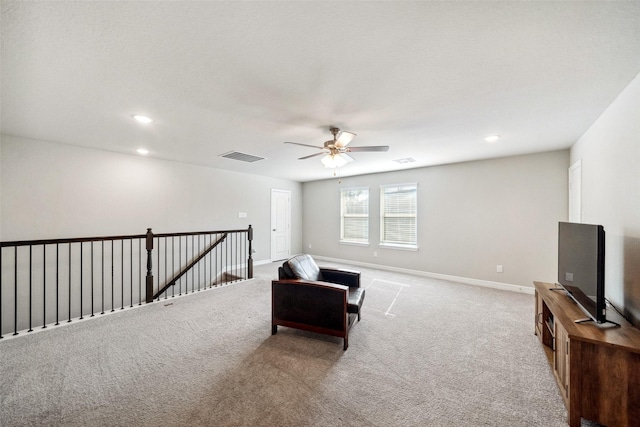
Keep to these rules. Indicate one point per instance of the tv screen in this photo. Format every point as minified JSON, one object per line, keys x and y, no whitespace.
{"x":581,"y":266}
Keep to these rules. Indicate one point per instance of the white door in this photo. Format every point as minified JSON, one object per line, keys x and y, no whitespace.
{"x":575,"y":189}
{"x":280,"y":224}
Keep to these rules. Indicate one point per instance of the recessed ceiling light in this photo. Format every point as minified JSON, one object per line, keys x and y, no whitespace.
{"x":142,"y":119}
{"x":492,"y":138}
{"x":142,"y":151}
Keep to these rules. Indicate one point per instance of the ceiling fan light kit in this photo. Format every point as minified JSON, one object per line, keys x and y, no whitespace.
{"x":335,"y":150}
{"x":336,"y":160}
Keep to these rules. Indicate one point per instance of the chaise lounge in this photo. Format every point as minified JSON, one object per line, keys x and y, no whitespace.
{"x":322,"y":300}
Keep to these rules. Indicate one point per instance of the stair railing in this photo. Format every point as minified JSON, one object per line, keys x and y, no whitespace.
{"x":45,"y":282}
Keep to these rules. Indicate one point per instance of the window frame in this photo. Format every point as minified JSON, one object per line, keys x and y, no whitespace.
{"x":411,"y":246}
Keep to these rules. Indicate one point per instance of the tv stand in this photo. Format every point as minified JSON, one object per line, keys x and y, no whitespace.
{"x":596,"y":369}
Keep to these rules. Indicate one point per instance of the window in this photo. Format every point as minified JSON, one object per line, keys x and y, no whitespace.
{"x":398,"y":215}
{"x":354,"y":215}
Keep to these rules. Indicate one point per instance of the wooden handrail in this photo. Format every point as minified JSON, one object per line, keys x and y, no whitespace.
{"x":190,"y":266}
{"x":69,"y":240}
{"x":107,"y":238}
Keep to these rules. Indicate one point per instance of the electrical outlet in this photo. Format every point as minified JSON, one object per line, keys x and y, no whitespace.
{"x":375,"y":254}
{"x":498,"y":268}
{"x":309,"y":245}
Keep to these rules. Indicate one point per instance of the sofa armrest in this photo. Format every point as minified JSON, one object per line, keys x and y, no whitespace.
{"x":321,"y":306}
{"x":341,"y":276}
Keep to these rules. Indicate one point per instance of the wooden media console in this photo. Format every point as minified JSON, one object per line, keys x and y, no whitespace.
{"x":596,"y":366}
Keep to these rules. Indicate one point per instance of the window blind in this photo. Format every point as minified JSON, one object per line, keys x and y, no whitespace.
{"x":399,"y":215}
{"x":354,"y":215}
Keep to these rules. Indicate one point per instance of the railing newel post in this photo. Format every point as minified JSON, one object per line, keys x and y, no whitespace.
{"x":149,"y":288}
{"x":250,"y":260}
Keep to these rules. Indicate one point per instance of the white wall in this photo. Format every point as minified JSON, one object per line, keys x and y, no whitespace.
{"x":610,"y":154}
{"x":472,"y":217}
{"x":53,"y":190}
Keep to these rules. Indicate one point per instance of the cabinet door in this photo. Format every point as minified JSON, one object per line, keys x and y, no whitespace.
{"x":561,"y":360}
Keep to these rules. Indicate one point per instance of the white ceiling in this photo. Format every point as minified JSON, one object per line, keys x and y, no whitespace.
{"x":429,"y":79}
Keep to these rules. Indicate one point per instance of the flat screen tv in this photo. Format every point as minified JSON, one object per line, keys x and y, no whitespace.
{"x":581,"y":266}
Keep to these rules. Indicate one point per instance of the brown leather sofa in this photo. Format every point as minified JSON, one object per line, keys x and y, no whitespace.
{"x":322,"y":300}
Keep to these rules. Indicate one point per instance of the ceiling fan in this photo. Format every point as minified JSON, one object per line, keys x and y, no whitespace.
{"x":335,"y":150}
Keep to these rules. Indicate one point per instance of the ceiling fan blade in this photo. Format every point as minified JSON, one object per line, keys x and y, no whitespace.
{"x":345,"y":138}
{"x":346,"y":157}
{"x":369,"y":148}
{"x":312,"y":155}
{"x":305,"y":145}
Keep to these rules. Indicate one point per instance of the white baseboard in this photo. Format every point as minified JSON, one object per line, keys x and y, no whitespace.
{"x":464,"y":280}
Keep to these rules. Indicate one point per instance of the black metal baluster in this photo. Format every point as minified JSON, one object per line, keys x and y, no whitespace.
{"x":44,"y":286}
{"x":139,"y":271}
{"x":226,"y":260}
{"x":166,"y":294}
{"x":241,"y":254}
{"x":92,"y":281}
{"x":1,"y":252}
{"x":199,"y":265}
{"x":57,"y":283}
{"x":131,"y":271}
{"x":193,"y":279}
{"x":212,"y":259}
{"x":186,"y":262}
{"x":30,"y":283}
{"x":15,"y":291}
{"x":207,"y":279}
{"x":69,"y":283}
{"x":158,"y":266}
{"x":122,"y":274}
{"x":236,"y":266}
{"x":180,"y":261}
{"x":81,"y":280}
{"x":234,"y":255}
{"x":173,"y":264}
{"x":112,"y":278}
{"x":102,"y":276}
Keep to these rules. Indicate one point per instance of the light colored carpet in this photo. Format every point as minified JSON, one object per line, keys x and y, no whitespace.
{"x":426,"y":353}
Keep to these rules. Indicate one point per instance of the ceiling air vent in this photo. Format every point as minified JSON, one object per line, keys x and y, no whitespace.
{"x":405,"y":160}
{"x":235,"y":155}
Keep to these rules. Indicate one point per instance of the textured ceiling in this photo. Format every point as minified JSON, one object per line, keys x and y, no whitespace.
{"x":429,"y":79}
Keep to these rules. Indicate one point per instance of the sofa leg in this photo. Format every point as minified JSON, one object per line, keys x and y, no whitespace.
{"x":358,"y":315}
{"x":274,"y":329}
{"x":346,"y":343}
